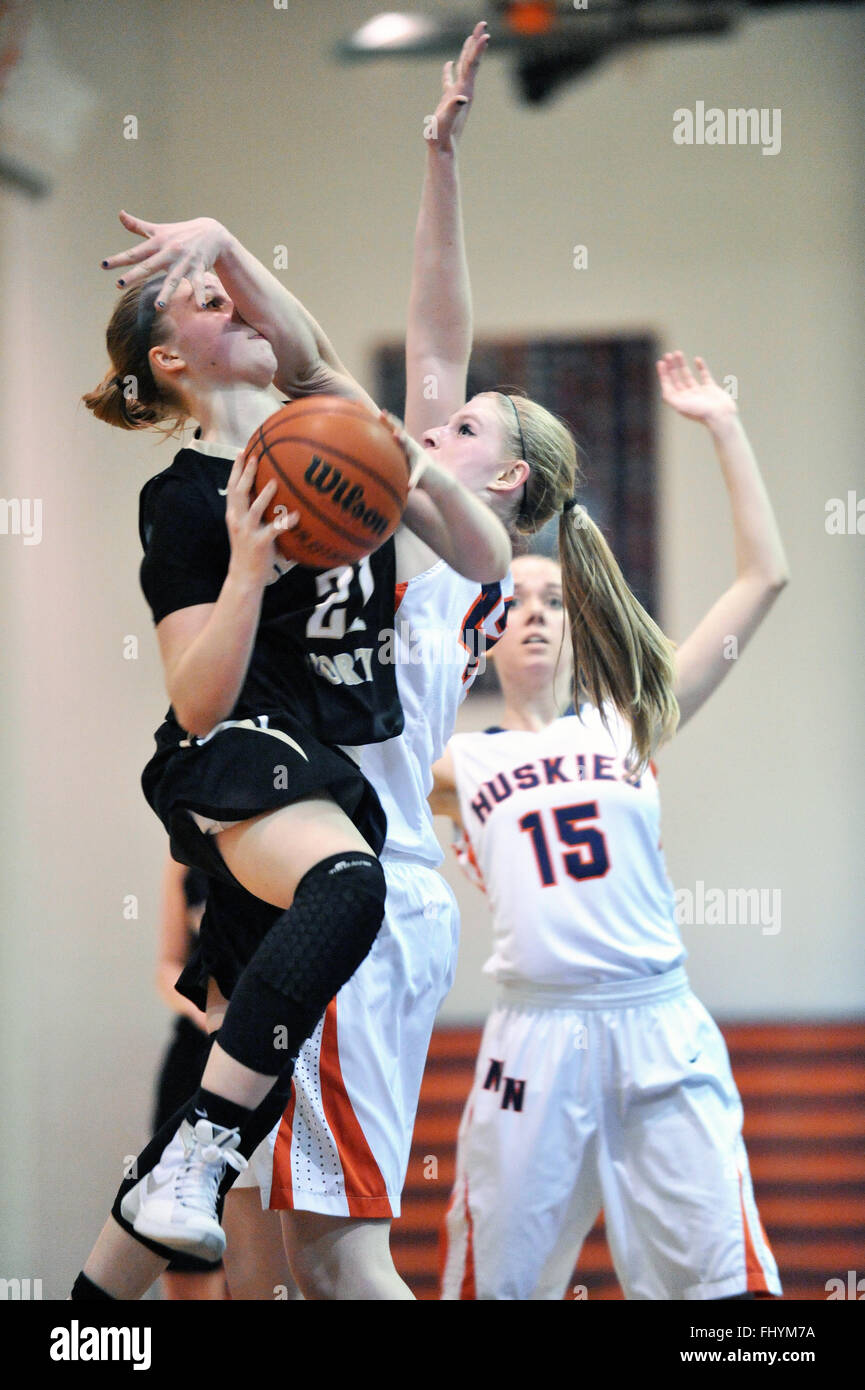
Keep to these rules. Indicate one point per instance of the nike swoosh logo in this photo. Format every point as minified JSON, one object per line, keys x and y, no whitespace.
{"x":222,"y":491}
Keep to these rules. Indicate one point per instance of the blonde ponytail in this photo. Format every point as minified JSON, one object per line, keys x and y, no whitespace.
{"x":621,"y":656}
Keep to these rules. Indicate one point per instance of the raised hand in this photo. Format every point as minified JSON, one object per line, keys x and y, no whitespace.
{"x":184,"y":250}
{"x":702,"y":400}
{"x":458,"y":87}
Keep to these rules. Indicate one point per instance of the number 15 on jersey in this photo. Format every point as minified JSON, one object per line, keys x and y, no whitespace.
{"x":583,"y":846}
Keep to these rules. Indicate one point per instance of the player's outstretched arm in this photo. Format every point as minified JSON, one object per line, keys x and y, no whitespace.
{"x":306,"y":360}
{"x":707,"y":655}
{"x":439,"y":331}
{"x":449,"y":519}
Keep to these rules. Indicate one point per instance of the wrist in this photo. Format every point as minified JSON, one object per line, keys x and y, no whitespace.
{"x":433,"y":478}
{"x":227,"y":245}
{"x":724,"y":424}
{"x":441,"y":157}
{"x":242,"y":583}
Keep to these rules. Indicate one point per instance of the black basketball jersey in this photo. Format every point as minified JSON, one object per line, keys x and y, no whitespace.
{"x":316,"y":650}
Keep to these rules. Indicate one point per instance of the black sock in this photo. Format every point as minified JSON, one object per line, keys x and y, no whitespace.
{"x":210,"y":1106}
{"x":85,"y":1291}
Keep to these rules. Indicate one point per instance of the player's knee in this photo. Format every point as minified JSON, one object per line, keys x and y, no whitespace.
{"x":349,"y":1275}
{"x":318,"y":944}
{"x":309,"y":953}
{"x":338,"y":1257}
{"x":317,"y":1281}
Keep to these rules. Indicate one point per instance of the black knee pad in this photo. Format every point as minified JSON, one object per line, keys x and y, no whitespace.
{"x":305,"y":959}
{"x":317,"y":945}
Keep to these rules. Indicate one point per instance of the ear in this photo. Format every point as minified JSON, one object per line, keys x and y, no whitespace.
{"x":166,"y":359}
{"x":512,"y":479}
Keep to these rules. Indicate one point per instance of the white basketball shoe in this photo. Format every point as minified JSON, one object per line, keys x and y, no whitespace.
{"x":175,"y":1203}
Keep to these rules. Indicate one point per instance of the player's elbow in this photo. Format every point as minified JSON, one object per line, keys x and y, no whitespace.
{"x":766,"y":583}
{"x":479,"y":570}
{"x":443,"y":802}
{"x":484,"y":552}
{"x":771,"y":583}
{"x":315,"y":377}
{"x":198,"y":728}
{"x":777,"y":581}
{"x":197,"y":717}
{"x":167,"y":974}
{"x":492,"y":562}
{"x":503,"y":557}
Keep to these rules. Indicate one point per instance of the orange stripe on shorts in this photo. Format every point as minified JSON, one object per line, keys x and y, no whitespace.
{"x":365,"y":1189}
{"x":756,"y":1279}
{"x":467,"y":1288}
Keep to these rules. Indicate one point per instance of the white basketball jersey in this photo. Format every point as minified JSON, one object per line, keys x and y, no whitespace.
{"x":567,"y":844}
{"x":443,"y":626}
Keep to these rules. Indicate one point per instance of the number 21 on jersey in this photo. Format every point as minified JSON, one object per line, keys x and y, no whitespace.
{"x":585,"y":847}
{"x":341,"y":590}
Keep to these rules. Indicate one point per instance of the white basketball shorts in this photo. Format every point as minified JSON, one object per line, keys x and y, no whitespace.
{"x":342,"y":1147}
{"x":618,"y":1097}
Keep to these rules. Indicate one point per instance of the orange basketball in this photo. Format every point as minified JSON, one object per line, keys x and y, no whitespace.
{"x":341,"y":468}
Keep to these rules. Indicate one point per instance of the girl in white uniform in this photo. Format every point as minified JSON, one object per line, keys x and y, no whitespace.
{"x":343,"y":1146}
{"x":601,"y":1080}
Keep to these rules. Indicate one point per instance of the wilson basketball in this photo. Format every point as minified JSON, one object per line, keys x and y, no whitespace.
{"x":341,"y":468}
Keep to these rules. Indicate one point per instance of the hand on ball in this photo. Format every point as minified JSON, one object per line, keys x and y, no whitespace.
{"x":253,"y":540}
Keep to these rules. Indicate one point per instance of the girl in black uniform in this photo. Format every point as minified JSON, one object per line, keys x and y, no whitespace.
{"x":266,"y":666}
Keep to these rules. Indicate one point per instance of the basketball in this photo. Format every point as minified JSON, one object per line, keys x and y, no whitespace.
{"x":341,"y":468}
